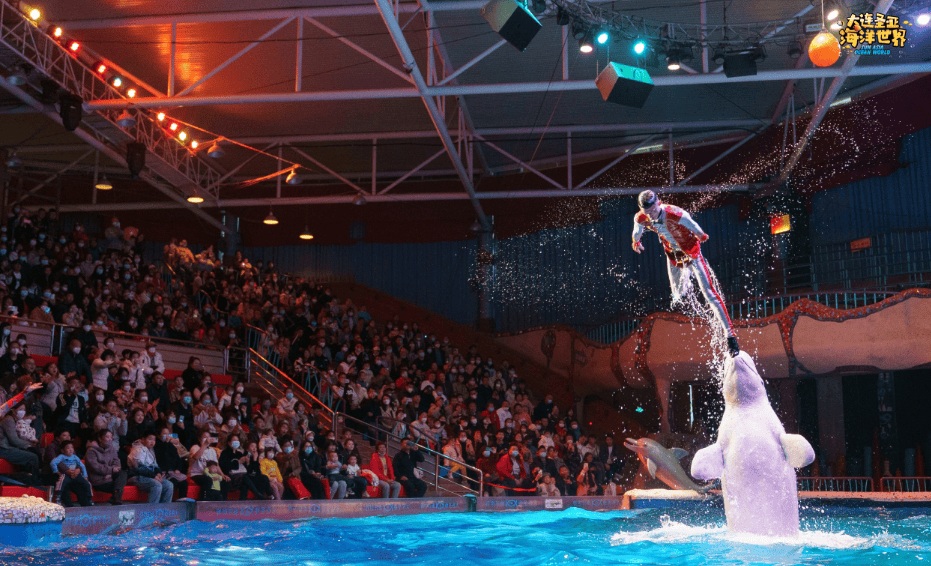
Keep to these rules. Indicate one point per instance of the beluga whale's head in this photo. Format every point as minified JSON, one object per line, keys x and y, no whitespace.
{"x":742,"y":384}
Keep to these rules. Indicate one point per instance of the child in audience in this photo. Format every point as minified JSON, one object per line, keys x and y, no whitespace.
{"x":72,"y":477}
{"x":212,"y":471}
{"x":269,"y":468}
{"x":359,"y":483}
{"x":337,"y":479}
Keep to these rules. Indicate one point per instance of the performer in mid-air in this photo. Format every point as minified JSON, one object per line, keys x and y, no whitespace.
{"x":682,"y":237}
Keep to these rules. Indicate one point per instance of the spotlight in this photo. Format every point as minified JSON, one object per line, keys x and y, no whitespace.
{"x":182,"y":136}
{"x":100,"y":67}
{"x":718,"y":55}
{"x":759,"y":54}
{"x":833,"y":13}
{"x":578,"y":29}
{"x":672,"y":60}
{"x":56,"y":31}
{"x":586,"y":45}
{"x":74,"y":46}
{"x":795,"y":49}
{"x":640,"y":47}
{"x":173,"y":126}
{"x":270,"y":219}
{"x":923,"y":19}
{"x":103,"y":184}
{"x":131,"y":93}
{"x":20,"y":76}
{"x":538,"y":6}
{"x":135,"y":158}
{"x":359,"y":200}
{"x":116,"y":81}
{"x":13,"y":161}
{"x":195,"y":197}
{"x":293,"y":178}
{"x":35,"y":14}
{"x":602,"y":37}
{"x":216,"y":151}
{"x":835,"y":26}
{"x":194,"y":144}
{"x":71,"y":110}
{"x":160,"y":116}
{"x":306,"y":235}
{"x":126,"y":120}
{"x":562,"y":17}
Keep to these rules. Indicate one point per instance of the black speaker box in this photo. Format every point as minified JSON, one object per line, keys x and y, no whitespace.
{"x":740,"y":64}
{"x":622,"y":84}
{"x":512,"y":21}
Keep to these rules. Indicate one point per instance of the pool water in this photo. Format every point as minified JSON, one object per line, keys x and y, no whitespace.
{"x":573,"y":536}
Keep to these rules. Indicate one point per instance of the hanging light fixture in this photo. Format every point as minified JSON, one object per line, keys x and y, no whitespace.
{"x":306,"y":235}
{"x":216,"y":151}
{"x":293,"y":178}
{"x":126,"y":120}
{"x":270,"y":219}
{"x":13,"y":161}
{"x":195,"y":196}
{"x":103,"y":184}
{"x":476,"y":227}
{"x":359,"y":200}
{"x":20,"y":76}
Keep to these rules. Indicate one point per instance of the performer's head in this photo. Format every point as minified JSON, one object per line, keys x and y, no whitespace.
{"x":649,"y":204}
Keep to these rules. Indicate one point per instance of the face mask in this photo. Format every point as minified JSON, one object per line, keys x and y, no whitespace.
{"x":126,"y":389}
{"x":514,"y":453}
{"x":308,"y":450}
{"x":462,"y":439}
{"x":575,"y":426}
{"x":387,"y":401}
{"x":290,"y":395}
{"x":232,"y":422}
{"x":187,"y":400}
{"x":222,"y":323}
{"x":152,"y":350}
{"x":164,"y":438}
{"x":288,"y":449}
{"x":100,"y":398}
{"x":234,"y":444}
{"x":76,"y":350}
{"x":239,"y":390}
{"x":487,"y":453}
{"x":20,"y":413}
{"x":232,"y":334}
{"x":172,"y":420}
{"x":143,"y":399}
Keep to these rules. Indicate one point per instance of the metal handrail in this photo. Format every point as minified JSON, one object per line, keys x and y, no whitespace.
{"x":437,"y":455}
{"x":838,"y":483}
{"x":272,"y":369}
{"x":910,"y":483}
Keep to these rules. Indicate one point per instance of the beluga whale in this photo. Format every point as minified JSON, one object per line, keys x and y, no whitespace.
{"x":754,"y":457}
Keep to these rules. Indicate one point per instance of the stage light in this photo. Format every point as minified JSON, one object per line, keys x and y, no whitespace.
{"x":216,"y":151}
{"x":923,"y":19}
{"x":538,"y":6}
{"x":56,"y":31}
{"x":74,"y":46}
{"x":35,"y":14}
{"x":293,"y":178}
{"x":116,"y":81}
{"x":71,"y":110}
{"x":718,"y":55}
{"x":586,"y":45}
{"x":578,"y":29}
{"x":270,"y":219}
{"x":126,"y":120}
{"x":833,"y":13}
{"x":562,"y":17}
{"x":672,"y":60}
{"x":835,"y":26}
{"x":101,"y":68}
{"x":795,"y":49}
{"x":195,"y":197}
{"x":194,"y":144}
{"x":306,"y":235}
{"x":103,"y":184}
{"x":182,"y":135}
{"x":13,"y":161}
{"x":20,"y":76}
{"x":359,"y":200}
{"x":173,"y":126}
{"x":602,"y":37}
{"x":640,"y":47}
{"x":160,"y":116}
{"x":131,"y":93}
{"x":135,"y":158}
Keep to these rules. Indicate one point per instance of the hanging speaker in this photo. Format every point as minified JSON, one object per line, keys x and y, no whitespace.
{"x":135,"y":158}
{"x":71,"y":110}
{"x":623,"y":84}
{"x":513,"y":22}
{"x":742,"y":64}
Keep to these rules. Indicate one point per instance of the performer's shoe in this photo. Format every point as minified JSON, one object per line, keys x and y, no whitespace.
{"x":732,"y":346}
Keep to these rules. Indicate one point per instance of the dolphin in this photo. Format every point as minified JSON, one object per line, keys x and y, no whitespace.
{"x":662,"y":463}
{"x":754,"y":457}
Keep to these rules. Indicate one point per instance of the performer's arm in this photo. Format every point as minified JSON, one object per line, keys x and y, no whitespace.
{"x":687,"y":221}
{"x":638,"y":233}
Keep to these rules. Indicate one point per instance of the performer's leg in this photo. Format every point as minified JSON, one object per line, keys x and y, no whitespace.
{"x":709,"y":289}
{"x":675,"y":280}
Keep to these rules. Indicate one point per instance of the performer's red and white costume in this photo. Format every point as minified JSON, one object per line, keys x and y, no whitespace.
{"x":681,"y":237}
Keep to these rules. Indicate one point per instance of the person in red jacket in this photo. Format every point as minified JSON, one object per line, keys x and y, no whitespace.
{"x":512,"y":470}
{"x":681,"y":237}
{"x":384,"y":469}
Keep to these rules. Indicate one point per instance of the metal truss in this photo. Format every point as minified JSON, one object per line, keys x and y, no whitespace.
{"x":171,"y":161}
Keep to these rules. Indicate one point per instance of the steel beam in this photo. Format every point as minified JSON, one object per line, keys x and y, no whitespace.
{"x":52,"y":177}
{"x":824,"y":103}
{"x":410,"y":197}
{"x":788,"y":90}
{"x":355,"y":47}
{"x":497,"y":89}
{"x":720,"y":157}
{"x":397,"y":35}
{"x":617,"y":160}
{"x":468,"y":64}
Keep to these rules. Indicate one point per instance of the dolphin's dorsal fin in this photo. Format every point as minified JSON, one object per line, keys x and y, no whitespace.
{"x":798,"y":451}
{"x":651,"y":465}
{"x":679,"y":453}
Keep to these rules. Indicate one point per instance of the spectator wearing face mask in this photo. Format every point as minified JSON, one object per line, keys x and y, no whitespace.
{"x":72,"y":364}
{"x":104,"y":470}
{"x":151,"y":360}
{"x":84,"y":335}
{"x":100,"y":370}
{"x":234,"y":462}
{"x":71,"y":412}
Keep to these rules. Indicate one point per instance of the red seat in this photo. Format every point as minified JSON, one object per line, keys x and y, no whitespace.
{"x":222,"y":379}
{"x":9,"y":491}
{"x":133,"y":493}
{"x":171,"y":374}
{"x":46,"y":439}
{"x":42,"y":361}
{"x":7,"y":468}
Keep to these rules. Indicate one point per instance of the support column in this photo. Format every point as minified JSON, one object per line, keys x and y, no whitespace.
{"x":788,"y":405}
{"x":831,"y":421}
{"x":663,"y":391}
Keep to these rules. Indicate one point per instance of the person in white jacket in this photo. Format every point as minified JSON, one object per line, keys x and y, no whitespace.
{"x":151,"y":360}
{"x":145,"y":472}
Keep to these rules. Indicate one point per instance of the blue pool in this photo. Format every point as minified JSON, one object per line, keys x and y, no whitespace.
{"x":669,"y":536}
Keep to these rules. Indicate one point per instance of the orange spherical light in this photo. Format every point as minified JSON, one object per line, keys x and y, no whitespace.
{"x":824,"y":49}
